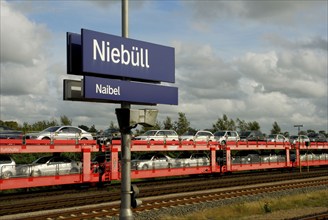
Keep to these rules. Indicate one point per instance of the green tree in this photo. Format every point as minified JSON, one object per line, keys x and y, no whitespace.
{"x":41,"y":125}
{"x":145,"y":128}
{"x":224,"y":123}
{"x":26,"y":127}
{"x":275,"y":128}
{"x":302,"y":133}
{"x":92,"y":129}
{"x":157,"y":126}
{"x":286,"y":134}
{"x":10,"y":124}
{"x":168,"y":124}
{"x":182,"y":125}
{"x":310,"y":131}
{"x":253,"y":126}
{"x":65,"y":120}
{"x":192,"y":130}
{"x":84,"y":127}
{"x":242,"y":125}
{"x":323,"y":132}
{"x":248,"y":126}
{"x":112,"y":125}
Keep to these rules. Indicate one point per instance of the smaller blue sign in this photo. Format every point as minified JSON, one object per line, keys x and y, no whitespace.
{"x":74,"y":54}
{"x":128,"y":91}
{"x":105,"y":54}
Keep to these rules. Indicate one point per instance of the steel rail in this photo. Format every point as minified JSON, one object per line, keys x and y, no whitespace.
{"x":151,"y":203}
{"x":46,"y":203}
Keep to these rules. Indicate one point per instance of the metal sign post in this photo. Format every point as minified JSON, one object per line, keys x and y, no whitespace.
{"x":125,"y":211}
{"x":128,"y":119}
{"x":112,"y":74}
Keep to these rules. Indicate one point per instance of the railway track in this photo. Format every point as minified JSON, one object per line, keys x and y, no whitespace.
{"x":46,"y":202}
{"x":110,"y":210}
{"x":77,"y":189}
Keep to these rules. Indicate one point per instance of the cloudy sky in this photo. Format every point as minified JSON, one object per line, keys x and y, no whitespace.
{"x":261,"y":61}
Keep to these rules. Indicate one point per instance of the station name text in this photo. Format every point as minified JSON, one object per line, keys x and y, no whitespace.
{"x":107,"y":90}
{"x":136,"y":57}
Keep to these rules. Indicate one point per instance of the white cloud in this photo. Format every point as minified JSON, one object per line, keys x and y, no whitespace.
{"x":279,"y":70}
{"x":280,"y":12}
{"x":22,"y":41}
{"x":23,"y":54}
{"x":294,"y":73}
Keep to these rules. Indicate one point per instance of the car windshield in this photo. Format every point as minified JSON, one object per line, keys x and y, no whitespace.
{"x":198,"y":156}
{"x":245,"y":133}
{"x":219,"y":133}
{"x":4,"y":159}
{"x":293,"y":137}
{"x":51,"y":129}
{"x":99,"y":158}
{"x":149,"y":133}
{"x":184,"y":155}
{"x":145,"y":157}
{"x":271,"y":136}
{"x":189,"y":133}
{"x":312,"y":135}
{"x":110,"y":131}
{"x":42,"y":160}
{"x":4,"y":128}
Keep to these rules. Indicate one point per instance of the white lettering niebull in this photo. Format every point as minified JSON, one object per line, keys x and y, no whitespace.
{"x":137,"y":57}
{"x":107,"y":89}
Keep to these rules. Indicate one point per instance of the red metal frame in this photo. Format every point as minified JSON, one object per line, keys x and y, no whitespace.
{"x":8,"y":146}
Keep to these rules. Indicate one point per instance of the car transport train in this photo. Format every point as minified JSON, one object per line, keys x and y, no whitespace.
{"x":151,"y":159}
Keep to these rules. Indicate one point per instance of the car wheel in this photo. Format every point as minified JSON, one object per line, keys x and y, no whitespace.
{"x":74,"y":170}
{"x":145,"y":167}
{"x":223,"y":143}
{"x":22,"y":170}
{"x":36,"y":173}
{"x":45,"y":138}
{"x":6,"y":175}
{"x":84,"y":139}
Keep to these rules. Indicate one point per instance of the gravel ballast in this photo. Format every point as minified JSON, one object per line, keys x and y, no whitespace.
{"x":188,"y":209}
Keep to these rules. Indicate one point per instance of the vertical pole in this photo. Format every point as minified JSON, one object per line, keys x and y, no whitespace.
{"x":228,"y":159}
{"x":299,"y":145}
{"x":125,"y":211}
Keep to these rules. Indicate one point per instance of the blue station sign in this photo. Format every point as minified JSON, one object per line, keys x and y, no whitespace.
{"x":121,"y":90}
{"x":109,"y":55}
{"x":74,"y":54}
{"x":118,"y":69}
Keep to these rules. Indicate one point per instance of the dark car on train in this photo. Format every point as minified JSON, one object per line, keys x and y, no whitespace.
{"x":251,"y":136}
{"x":9,"y":133}
{"x":108,"y":135}
{"x":317,"y":137}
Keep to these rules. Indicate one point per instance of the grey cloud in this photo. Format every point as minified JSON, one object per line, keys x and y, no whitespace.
{"x":282,"y":12}
{"x":286,"y":83}
{"x":201,"y":73}
{"x":105,"y":4}
{"x":294,"y":74}
{"x":22,"y":41}
{"x":23,"y":56}
{"x":316,"y":43}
